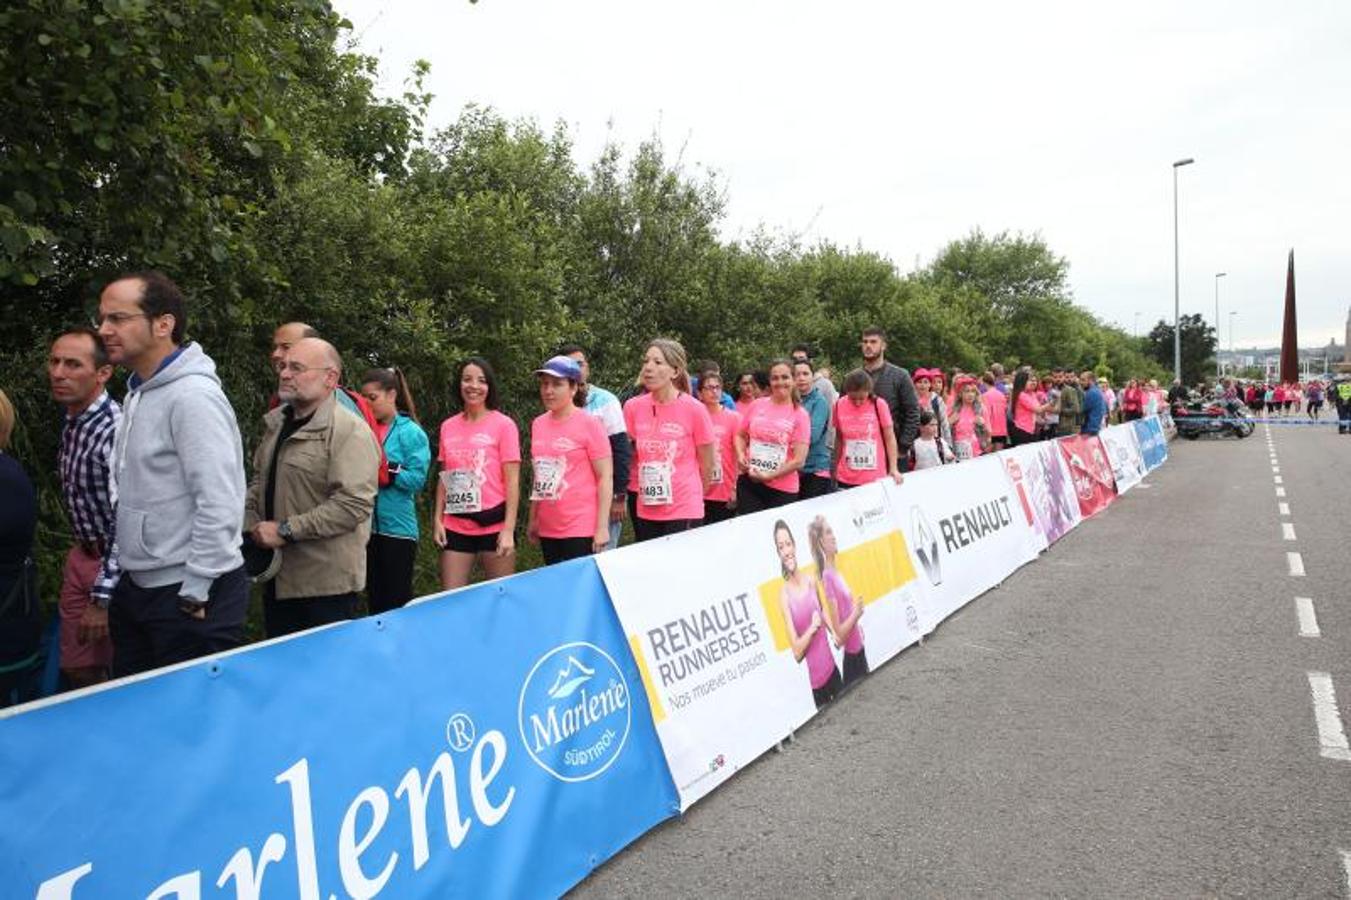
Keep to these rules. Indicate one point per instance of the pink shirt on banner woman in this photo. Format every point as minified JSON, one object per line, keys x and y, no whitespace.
{"x":837,"y":591}
{"x":725,"y":426}
{"x":781,"y":425}
{"x":667,"y":436}
{"x":570,"y":445}
{"x":801,"y":605}
{"x":480,"y":448}
{"x":855,"y":422}
{"x":996,"y":412}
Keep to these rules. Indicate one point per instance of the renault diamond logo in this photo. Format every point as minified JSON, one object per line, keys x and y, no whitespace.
{"x":925,"y":542}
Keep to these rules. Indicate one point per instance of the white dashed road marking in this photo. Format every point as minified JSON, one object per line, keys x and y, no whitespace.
{"x":1285,"y":509}
{"x":1308,"y":622}
{"x":1331,"y":738}
{"x":1296,"y":564}
{"x":1280,"y":492}
{"x":1287,"y":531}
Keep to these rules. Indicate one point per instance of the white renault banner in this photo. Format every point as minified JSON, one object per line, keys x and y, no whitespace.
{"x":967,"y":529}
{"x":1123,"y":451}
{"x":743,"y":630}
{"x":1042,"y":479}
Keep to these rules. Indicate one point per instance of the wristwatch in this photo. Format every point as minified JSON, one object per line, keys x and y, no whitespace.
{"x":189,"y":606}
{"x":284,"y":531}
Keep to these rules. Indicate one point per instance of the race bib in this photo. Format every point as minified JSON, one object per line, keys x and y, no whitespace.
{"x":717,"y":469}
{"x":548,"y":481}
{"x":861,"y":454}
{"x":464,"y":494}
{"x":766,"y":457}
{"x":962,"y":449}
{"x":654,"y":483}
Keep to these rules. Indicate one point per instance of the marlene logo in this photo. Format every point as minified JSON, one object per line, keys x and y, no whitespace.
{"x":574,"y":712}
{"x":926,"y":545}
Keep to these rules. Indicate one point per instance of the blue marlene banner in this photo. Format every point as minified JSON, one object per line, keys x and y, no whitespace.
{"x":493,"y":742}
{"x":1153,"y":444}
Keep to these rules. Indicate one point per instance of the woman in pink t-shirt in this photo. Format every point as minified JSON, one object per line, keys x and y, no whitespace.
{"x":800,"y":604}
{"x":477,"y":495}
{"x":571,"y":482}
{"x":865,"y":437}
{"x":720,"y":495}
{"x":673,"y":453}
{"x":996,"y":412}
{"x":1027,"y":404}
{"x":967,"y":416}
{"x":843,"y":608}
{"x":771,"y":445}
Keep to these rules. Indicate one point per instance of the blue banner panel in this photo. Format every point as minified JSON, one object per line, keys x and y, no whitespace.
{"x":494,"y":742}
{"x":1153,"y":445}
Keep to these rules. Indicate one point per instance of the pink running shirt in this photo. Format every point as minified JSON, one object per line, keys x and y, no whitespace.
{"x":801,"y":605}
{"x":473,"y":454}
{"x":563,"y":483}
{"x":855,"y":426}
{"x":996,"y":412}
{"x":1025,"y":414}
{"x":964,"y":432}
{"x":838,"y":593}
{"x":725,"y":426}
{"x":666,"y":459}
{"x":772,"y":429}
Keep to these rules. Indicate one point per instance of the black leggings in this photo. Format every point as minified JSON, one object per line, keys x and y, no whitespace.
{"x":855,"y":667}
{"x":647,"y":529}
{"x":556,"y":550}
{"x":716,"y":511}
{"x":389,"y":572}
{"x":826,"y":692}
{"x":753,"y":496}
{"x":814,"y":485}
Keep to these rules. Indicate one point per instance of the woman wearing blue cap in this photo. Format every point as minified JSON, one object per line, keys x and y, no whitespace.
{"x":570,"y":457}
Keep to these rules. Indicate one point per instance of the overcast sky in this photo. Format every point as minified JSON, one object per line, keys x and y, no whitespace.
{"x":901,"y":126}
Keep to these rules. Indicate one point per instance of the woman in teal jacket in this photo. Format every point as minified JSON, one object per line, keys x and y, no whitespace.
{"x":392,"y":550}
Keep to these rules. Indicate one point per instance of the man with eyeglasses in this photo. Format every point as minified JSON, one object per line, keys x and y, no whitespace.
{"x":315,"y":477}
{"x":177,"y":485}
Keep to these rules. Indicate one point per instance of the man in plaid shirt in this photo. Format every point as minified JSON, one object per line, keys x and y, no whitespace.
{"x":78,"y":369}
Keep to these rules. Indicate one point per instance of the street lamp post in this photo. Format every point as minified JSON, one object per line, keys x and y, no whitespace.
{"x":1136,"y":329}
{"x":1177,"y":305}
{"x":1232,"y":313}
{"x":1218,"y":275}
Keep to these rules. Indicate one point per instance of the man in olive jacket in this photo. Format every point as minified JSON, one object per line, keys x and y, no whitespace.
{"x":1071,"y":402}
{"x":314,"y":482}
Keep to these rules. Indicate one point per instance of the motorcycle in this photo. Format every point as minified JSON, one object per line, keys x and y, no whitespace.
{"x":1214,"y":417}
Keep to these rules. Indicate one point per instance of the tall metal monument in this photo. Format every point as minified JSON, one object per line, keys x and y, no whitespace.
{"x":1290,"y":334}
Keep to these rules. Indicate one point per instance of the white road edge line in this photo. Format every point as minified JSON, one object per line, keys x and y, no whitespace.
{"x":1285,"y":508}
{"x":1346,"y":867}
{"x":1331,"y":738}
{"x":1288,"y":531}
{"x":1296,"y":564}
{"x":1308,"y":622}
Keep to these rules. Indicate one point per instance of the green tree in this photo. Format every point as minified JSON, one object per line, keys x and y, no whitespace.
{"x":1198,"y":347}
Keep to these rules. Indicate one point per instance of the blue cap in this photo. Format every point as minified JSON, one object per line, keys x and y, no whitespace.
{"x":561,"y":367}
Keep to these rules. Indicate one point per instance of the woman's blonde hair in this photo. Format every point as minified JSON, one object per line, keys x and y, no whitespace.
{"x":7,"y":418}
{"x":676,"y":358}
{"x":815,"y":532}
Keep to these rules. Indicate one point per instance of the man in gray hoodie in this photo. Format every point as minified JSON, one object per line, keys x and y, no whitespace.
{"x":178,"y":486}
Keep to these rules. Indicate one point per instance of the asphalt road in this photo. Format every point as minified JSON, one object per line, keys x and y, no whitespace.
{"x":1128,"y":716}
